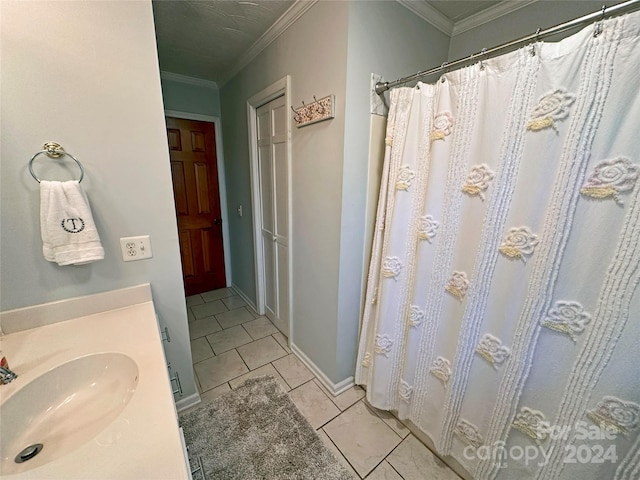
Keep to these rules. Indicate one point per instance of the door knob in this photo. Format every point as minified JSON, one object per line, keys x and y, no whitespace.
{"x":217,"y":221}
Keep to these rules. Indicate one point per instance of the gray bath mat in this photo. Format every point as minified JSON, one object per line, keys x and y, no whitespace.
{"x":255,"y":432}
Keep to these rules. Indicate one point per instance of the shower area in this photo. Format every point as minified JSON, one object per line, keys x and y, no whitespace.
{"x":501,"y":313}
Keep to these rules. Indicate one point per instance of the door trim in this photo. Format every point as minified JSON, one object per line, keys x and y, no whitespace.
{"x":275,"y":90}
{"x":222,"y":181}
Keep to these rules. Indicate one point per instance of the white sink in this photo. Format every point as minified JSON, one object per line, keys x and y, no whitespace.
{"x":64,"y":408}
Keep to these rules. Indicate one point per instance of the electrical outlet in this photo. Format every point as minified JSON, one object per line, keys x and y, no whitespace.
{"x":135,"y":248}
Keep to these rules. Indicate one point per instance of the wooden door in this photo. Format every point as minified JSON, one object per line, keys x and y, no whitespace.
{"x":274,"y":199}
{"x":192,"y":148}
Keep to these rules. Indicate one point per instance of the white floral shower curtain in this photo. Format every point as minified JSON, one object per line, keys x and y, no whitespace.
{"x":502,"y":316}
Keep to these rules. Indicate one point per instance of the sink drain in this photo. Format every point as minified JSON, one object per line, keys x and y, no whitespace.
{"x":29,"y":452}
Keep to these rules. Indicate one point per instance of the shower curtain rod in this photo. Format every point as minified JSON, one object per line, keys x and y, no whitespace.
{"x":605,"y":12}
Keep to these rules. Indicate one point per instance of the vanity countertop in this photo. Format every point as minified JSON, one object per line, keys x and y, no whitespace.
{"x":144,"y":441}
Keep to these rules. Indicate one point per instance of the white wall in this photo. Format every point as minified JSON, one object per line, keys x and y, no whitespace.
{"x":85,"y":74}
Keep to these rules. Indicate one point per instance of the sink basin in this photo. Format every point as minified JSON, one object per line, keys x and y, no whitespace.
{"x":64,"y":408}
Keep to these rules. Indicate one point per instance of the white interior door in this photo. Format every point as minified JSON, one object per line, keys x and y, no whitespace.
{"x":274,"y":184}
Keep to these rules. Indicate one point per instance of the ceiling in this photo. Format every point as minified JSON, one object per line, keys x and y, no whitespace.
{"x":203,"y":39}
{"x":207,"y":38}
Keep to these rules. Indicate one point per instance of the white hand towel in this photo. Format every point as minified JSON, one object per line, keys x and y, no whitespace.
{"x":69,"y":234}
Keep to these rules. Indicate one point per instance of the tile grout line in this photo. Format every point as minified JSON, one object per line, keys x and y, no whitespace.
{"x":245,"y":364}
{"x":247,"y":331}
{"x":331,"y":397}
{"x":340,"y":412}
{"x":340,"y":451}
{"x":391,"y":465}
{"x":228,"y":381}
{"x":373,"y":410}
{"x":382,"y":420}
{"x":241,"y":323}
{"x":390,"y":453}
{"x":280,"y":373}
{"x":382,"y":460}
{"x":210,"y":346}
{"x":313,"y":379}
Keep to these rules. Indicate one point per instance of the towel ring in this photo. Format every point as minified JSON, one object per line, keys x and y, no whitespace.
{"x":54,"y":150}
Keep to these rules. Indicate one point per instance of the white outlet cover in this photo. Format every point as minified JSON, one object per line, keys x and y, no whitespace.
{"x":135,"y":248}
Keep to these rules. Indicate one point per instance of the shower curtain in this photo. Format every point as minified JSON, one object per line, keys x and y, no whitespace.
{"x":502,"y":316}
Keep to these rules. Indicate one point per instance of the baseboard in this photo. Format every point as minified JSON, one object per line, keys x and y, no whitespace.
{"x":188,"y":402}
{"x":244,"y":296}
{"x":334,"y":388}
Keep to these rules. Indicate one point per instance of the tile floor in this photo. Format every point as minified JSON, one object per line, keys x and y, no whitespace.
{"x":230,"y":343}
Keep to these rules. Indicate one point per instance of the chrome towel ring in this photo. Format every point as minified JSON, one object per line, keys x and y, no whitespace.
{"x":54,"y":150}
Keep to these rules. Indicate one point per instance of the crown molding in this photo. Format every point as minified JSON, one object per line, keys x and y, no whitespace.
{"x":443,"y":23}
{"x":420,"y":8}
{"x":489,"y":14}
{"x":278,"y":28}
{"x":176,"y":77}
{"x":429,"y":14}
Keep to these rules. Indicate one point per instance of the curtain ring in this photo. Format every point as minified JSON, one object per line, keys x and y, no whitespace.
{"x":532,"y":47}
{"x":482,"y":52}
{"x":442,"y":79}
{"x":598,"y":28}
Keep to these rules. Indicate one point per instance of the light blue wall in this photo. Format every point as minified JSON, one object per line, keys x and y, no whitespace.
{"x":90,"y":81}
{"x":313,"y":52}
{"x":238,"y":185}
{"x":520,"y":23}
{"x":191,"y":97}
{"x":330,"y":160}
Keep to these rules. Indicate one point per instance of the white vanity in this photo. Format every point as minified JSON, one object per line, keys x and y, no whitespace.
{"x":92,"y":389}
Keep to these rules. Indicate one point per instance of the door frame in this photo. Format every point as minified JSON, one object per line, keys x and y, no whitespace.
{"x":275,"y":90}
{"x":222,"y":181}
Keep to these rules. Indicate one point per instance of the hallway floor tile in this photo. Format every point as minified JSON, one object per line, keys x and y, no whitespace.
{"x":235,"y":343}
